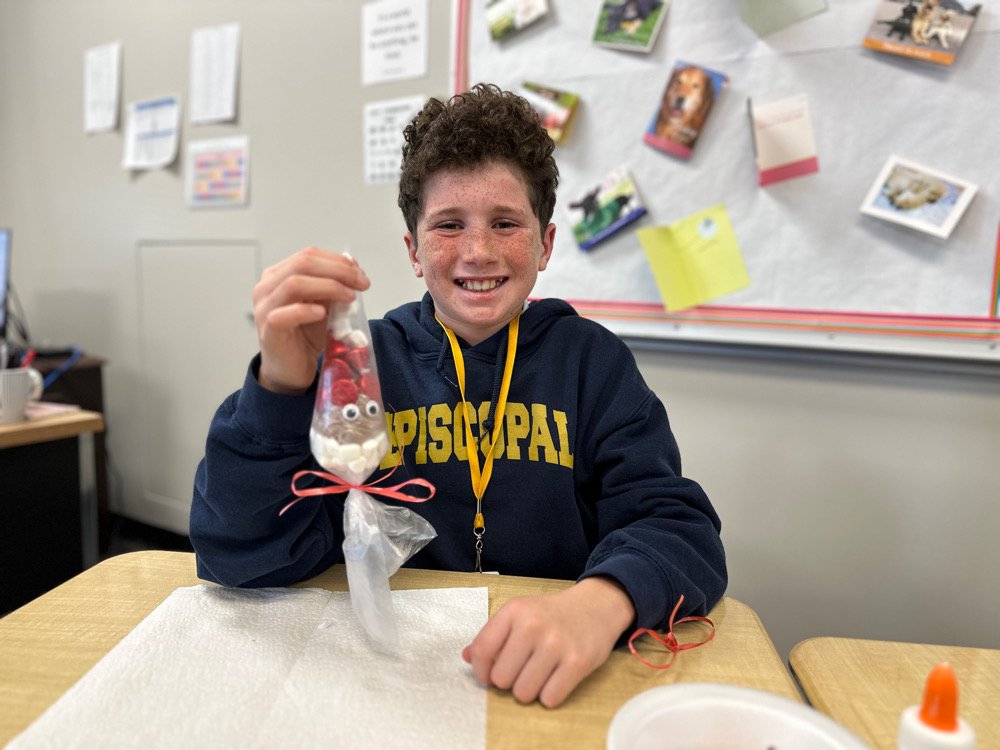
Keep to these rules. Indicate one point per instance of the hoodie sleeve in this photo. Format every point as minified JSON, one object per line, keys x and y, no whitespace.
{"x":256,"y":442}
{"x":658,"y":534}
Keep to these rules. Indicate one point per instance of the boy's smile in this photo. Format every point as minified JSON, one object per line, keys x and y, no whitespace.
{"x":479,"y":247}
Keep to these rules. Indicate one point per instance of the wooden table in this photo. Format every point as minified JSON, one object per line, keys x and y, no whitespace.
{"x":50,"y":643}
{"x":48,"y":532}
{"x":865,"y":685}
{"x":56,"y":427}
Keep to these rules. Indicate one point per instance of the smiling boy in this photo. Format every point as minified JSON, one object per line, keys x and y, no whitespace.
{"x":585,"y":481}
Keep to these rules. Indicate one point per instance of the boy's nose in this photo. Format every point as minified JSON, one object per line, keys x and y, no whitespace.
{"x":479,"y":246}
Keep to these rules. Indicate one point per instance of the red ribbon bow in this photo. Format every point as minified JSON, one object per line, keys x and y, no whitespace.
{"x":669,"y":640}
{"x":338,"y":485}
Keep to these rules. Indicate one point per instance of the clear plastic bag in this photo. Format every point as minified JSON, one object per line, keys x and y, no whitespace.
{"x":349,"y":439}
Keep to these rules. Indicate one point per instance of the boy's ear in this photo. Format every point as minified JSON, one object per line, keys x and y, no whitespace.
{"x":548,"y":238}
{"x":411,"y":249}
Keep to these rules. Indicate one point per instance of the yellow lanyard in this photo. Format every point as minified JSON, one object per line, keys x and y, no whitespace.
{"x":481,"y":479}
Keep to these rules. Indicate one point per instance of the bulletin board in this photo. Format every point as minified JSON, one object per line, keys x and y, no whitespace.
{"x":822,"y":274}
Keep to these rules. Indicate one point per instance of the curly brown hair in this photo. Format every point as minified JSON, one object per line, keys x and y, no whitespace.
{"x":479,"y":126}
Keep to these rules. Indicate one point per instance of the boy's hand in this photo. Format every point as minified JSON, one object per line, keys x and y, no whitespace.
{"x":290,"y":304}
{"x":542,"y":647}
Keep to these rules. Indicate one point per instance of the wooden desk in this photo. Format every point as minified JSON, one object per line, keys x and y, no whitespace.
{"x":865,"y":685}
{"x":48,"y":644}
{"x":56,"y":427}
{"x":41,"y":535}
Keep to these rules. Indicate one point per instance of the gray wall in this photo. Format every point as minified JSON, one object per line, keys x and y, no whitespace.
{"x":856,"y":500}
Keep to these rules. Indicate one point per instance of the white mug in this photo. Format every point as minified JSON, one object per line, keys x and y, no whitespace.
{"x":18,"y":386}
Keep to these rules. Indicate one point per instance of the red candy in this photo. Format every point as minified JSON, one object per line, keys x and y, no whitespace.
{"x":358,"y":359}
{"x":343,"y":392}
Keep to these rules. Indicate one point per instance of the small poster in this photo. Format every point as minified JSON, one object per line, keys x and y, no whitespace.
{"x":393,"y":40}
{"x":631,"y":25}
{"x":151,"y":133}
{"x":102,"y":79}
{"x":686,"y":104}
{"x":605,"y":209}
{"x":215,"y":64}
{"x":918,"y":197}
{"x":929,"y":30}
{"x":218,"y":172}
{"x":384,"y":123}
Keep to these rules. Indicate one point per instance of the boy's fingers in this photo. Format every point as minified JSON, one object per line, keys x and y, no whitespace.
{"x":487,"y":645}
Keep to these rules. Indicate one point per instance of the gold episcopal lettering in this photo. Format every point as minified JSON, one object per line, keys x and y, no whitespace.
{"x":435,"y":433}
{"x":565,"y":457}
{"x":438,"y":420}
{"x":458,"y":433}
{"x":517,"y":427}
{"x":404,"y":428}
{"x":420,"y":455}
{"x":392,"y":457}
{"x":540,"y":435}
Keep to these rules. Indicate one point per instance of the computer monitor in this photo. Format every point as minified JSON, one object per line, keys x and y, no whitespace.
{"x":4,"y":280}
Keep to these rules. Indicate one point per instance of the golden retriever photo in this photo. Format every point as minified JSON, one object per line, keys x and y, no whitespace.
{"x":686,"y":102}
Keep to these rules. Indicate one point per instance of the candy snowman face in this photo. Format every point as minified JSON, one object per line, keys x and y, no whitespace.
{"x":348,"y":435}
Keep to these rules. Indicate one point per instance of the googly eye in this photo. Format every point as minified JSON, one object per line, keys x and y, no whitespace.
{"x":372,"y":409}
{"x":351,"y":412}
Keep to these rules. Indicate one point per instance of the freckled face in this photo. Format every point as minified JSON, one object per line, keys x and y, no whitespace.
{"x":478,"y":247}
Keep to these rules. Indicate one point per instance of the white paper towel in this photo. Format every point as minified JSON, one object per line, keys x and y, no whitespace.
{"x":278,"y":668}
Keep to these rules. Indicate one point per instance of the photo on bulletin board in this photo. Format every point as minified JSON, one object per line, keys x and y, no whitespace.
{"x":605,"y":209}
{"x":507,"y":17}
{"x":555,"y":108}
{"x":928,"y":30}
{"x":684,"y":109}
{"x":918,"y":197}
{"x":631,"y":25}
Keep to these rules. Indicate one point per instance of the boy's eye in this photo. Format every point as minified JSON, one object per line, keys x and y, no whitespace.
{"x":504,"y":224}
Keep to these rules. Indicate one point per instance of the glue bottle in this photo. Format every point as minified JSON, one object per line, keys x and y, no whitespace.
{"x":935,"y":723}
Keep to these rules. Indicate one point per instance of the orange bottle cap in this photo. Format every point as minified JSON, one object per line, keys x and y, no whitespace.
{"x":939,"y":709}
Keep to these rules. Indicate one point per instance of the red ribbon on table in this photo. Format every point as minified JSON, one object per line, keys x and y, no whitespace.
{"x":338,"y":485}
{"x":669,"y":640}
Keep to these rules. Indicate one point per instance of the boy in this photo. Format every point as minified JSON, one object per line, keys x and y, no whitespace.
{"x":585,"y":482}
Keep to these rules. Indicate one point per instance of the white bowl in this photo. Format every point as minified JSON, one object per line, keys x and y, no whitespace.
{"x":707,"y":716}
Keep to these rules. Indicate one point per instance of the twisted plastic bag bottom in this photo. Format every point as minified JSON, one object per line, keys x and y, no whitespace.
{"x":378,"y":539}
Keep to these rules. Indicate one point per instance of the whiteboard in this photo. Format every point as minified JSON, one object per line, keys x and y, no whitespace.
{"x":822,"y":274}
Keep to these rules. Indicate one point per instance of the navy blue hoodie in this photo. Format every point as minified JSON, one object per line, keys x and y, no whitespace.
{"x":586,"y":480}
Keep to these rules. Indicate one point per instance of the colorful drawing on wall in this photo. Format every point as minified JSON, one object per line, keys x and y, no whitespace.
{"x":555,"y":108}
{"x":931,"y":30}
{"x":686,"y":104}
{"x":631,"y":25}
{"x":218,"y":172}
{"x":605,"y":209}
{"x":918,"y":197}
{"x":507,"y":17}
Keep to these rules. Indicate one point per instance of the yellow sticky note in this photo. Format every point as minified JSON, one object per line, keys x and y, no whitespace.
{"x":696,"y":259}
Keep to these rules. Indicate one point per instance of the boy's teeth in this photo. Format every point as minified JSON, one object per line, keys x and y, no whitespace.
{"x":481,"y":286}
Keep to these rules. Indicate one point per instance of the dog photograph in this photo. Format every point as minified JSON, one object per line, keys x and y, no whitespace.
{"x":918,"y":197}
{"x":686,"y":103}
{"x":507,"y":17}
{"x":931,"y":30}
{"x":630,"y":24}
{"x":605,"y":209}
